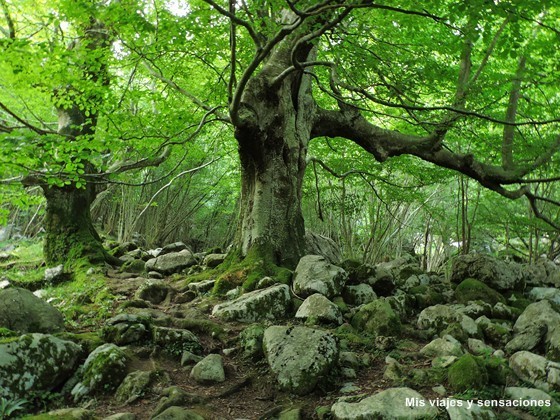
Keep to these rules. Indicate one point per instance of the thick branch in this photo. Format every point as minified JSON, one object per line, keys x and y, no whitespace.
{"x":383,"y":144}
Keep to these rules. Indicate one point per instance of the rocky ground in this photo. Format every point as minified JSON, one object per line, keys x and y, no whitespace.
{"x":340,"y":340}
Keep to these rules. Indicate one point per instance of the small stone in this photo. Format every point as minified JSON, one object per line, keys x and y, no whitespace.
{"x":189,"y":358}
{"x":209,"y":370}
{"x":349,"y":388}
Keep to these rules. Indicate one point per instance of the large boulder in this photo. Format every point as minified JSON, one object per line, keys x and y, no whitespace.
{"x":103,"y":371}
{"x":134,"y":386}
{"x":497,"y":274}
{"x":317,"y":308}
{"x":467,"y":372}
{"x":299,"y":356}
{"x":536,"y":370}
{"x":316,"y":244}
{"x":473,"y":290}
{"x":392,"y":403}
{"x":538,"y":323}
{"x":172,"y":262}
{"x":126,"y":329}
{"x":377,"y":318}
{"x":446,"y":346}
{"x":440,"y":317}
{"x":358,"y":294}
{"x":35,"y":363}
{"x":22,"y":311}
{"x":267,"y":304}
{"x":175,"y":341}
{"x":549,"y":293}
{"x":314,"y":274}
{"x":543,"y":273}
{"x":154,"y":291}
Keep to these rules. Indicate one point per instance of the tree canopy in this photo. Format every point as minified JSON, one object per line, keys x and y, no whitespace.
{"x":466,"y":86}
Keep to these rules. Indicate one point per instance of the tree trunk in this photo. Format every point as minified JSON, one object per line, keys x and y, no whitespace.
{"x":70,"y":234}
{"x":271,"y":220}
{"x":273,"y":135}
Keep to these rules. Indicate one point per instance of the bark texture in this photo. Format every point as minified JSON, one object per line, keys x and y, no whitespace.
{"x":273,"y":134}
{"x":70,"y":234}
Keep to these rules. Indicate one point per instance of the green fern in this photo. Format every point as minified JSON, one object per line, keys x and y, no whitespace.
{"x":9,"y":407}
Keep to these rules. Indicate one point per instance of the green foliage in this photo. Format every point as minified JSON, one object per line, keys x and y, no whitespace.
{"x":8,"y":407}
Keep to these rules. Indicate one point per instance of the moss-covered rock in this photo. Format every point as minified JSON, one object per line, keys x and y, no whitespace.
{"x":467,"y":373}
{"x":134,"y":386}
{"x":250,"y":341}
{"x":471,"y":290}
{"x":174,"y":341}
{"x":103,"y":371}
{"x":22,"y":311}
{"x":424,"y":296}
{"x":377,"y":318}
{"x":35,"y":363}
{"x":271,"y":303}
{"x":299,"y":357}
{"x":246,"y":272}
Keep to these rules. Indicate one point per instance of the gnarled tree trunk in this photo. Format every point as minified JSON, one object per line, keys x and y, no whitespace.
{"x":273,"y":133}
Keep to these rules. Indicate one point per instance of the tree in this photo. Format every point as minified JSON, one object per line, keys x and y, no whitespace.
{"x":60,"y":59}
{"x":468,"y":86}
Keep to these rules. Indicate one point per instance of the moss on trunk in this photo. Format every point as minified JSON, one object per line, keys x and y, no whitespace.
{"x":70,"y":235}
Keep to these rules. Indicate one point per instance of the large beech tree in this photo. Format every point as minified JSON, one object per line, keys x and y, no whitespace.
{"x":469,"y":86}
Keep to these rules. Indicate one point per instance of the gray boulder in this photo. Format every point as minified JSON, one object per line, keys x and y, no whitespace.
{"x":299,"y":356}
{"x":438,"y":318}
{"x":520,"y":393}
{"x":538,"y":322}
{"x":266,"y":304}
{"x":317,"y":308}
{"x":359,"y":294}
{"x":154,"y":291}
{"x":22,"y":311}
{"x":377,"y":318}
{"x":173,"y":247}
{"x":314,"y":274}
{"x":497,"y":274}
{"x":543,"y":273}
{"x":461,"y":410}
{"x":209,"y":370}
{"x":56,"y":275}
{"x":134,"y":386}
{"x":549,"y":293}
{"x":446,"y":346}
{"x":392,"y":403}
{"x":103,"y":371}
{"x":213,"y":260}
{"x":126,"y":329}
{"x":536,"y":370}
{"x":172,"y":262}
{"x":175,"y":341}
{"x":316,"y":244}
{"x":35,"y":363}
